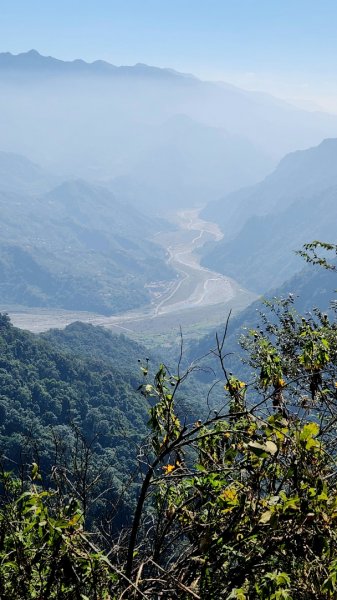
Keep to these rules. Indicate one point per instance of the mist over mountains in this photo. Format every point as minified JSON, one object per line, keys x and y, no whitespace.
{"x":130,"y":125}
{"x":19,"y":174}
{"x":92,"y":154}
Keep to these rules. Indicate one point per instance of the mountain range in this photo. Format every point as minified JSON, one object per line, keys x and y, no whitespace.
{"x":148,"y":140}
{"x":130,"y":124}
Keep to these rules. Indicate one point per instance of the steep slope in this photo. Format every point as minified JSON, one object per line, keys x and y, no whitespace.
{"x":98,"y":343}
{"x":78,"y":386}
{"x":77,"y":247}
{"x":298,"y":175}
{"x":265,"y":224}
{"x":122,"y":355}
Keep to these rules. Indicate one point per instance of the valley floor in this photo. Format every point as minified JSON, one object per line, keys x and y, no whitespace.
{"x":197,"y":300}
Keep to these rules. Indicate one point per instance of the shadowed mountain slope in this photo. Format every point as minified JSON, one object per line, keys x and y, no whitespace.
{"x":264,"y":225}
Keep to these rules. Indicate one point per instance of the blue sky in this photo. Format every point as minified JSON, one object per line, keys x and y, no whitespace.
{"x":286,"y":47}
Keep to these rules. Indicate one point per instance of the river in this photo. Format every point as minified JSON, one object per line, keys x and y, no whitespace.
{"x":196,"y":286}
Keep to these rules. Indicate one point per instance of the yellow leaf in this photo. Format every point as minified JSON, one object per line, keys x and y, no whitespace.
{"x":168,"y":469}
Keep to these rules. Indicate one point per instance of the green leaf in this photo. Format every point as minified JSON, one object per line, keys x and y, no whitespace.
{"x":200,"y":468}
{"x":309,"y":430}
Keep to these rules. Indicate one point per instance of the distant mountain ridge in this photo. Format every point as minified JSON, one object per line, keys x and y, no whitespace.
{"x":34,"y":61}
{"x":101,"y":122}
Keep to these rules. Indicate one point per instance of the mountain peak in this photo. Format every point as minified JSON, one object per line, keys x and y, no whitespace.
{"x":31,"y":52}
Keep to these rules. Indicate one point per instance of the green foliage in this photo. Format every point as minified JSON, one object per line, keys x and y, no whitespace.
{"x":44,"y":552}
{"x":245,"y":501}
{"x":240,"y":504}
{"x":55,"y":405}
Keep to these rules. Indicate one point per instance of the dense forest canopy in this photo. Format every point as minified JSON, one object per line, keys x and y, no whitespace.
{"x":51,"y":399}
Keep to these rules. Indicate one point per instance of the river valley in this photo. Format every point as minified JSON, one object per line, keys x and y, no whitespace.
{"x":196,"y":300}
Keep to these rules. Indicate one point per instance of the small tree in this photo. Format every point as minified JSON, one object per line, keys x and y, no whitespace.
{"x":243,"y":504}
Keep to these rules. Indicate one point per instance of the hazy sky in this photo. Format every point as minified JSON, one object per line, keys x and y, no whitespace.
{"x":286,"y":47}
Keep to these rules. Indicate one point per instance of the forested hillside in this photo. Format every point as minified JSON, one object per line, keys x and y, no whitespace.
{"x":49,"y":396}
{"x":74,"y":247}
{"x":77,"y":388}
